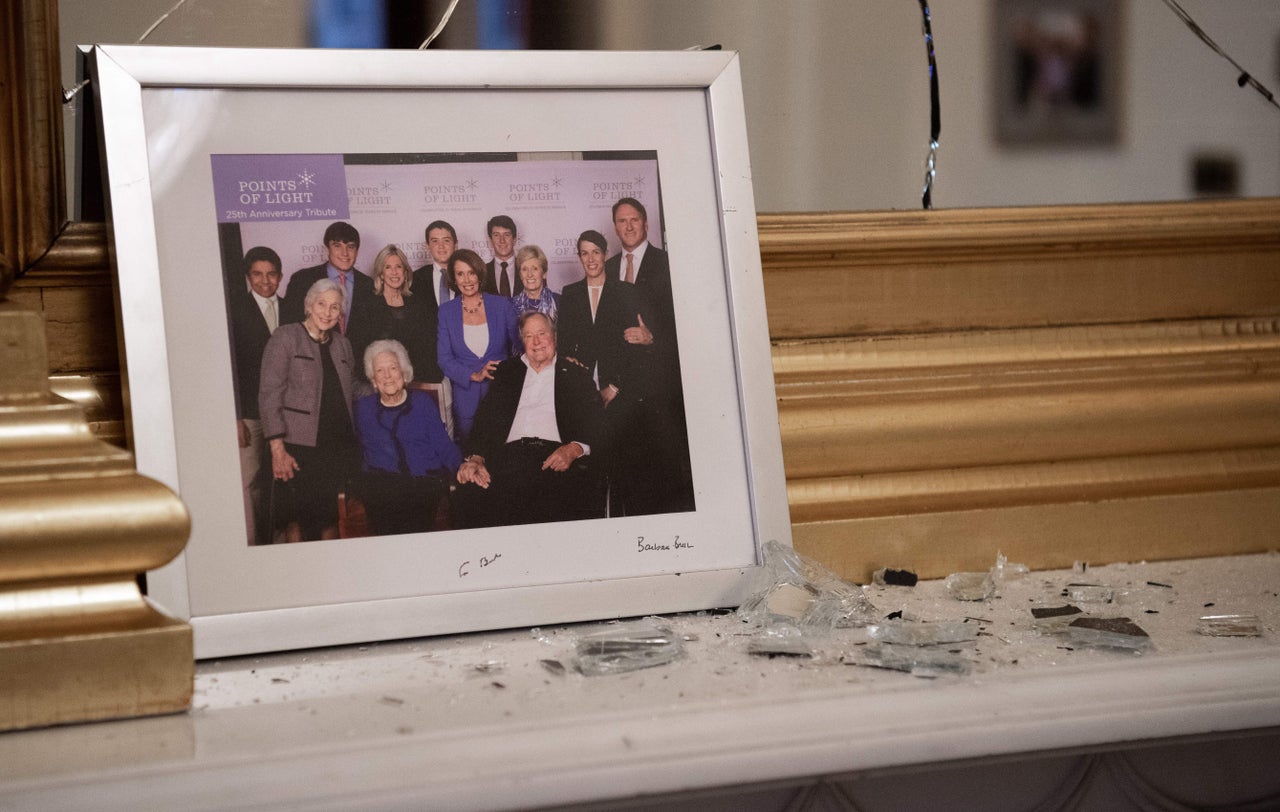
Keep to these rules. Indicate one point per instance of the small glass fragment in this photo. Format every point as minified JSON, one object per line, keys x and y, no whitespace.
{"x":1053,"y":619}
{"x":886,"y":576}
{"x":1041,"y":612}
{"x":970,"y":586}
{"x":1089,"y":593}
{"x":1108,"y":632}
{"x":769,"y":643}
{"x":627,"y":647}
{"x":801,"y":592}
{"x":917,"y":661}
{"x":1004,"y":571}
{"x":923,"y":633}
{"x":1230,"y":626}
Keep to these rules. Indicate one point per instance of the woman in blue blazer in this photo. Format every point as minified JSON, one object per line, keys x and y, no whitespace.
{"x":476,"y":331}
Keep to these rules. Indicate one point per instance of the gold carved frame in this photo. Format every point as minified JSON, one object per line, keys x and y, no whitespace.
{"x":78,"y":641}
{"x":1093,"y":383}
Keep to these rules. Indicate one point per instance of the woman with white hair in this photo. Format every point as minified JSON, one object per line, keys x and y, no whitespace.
{"x":409,"y":459}
{"x":304,"y":403}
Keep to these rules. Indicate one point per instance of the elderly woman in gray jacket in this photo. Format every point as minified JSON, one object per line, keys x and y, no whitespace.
{"x":304,"y":400}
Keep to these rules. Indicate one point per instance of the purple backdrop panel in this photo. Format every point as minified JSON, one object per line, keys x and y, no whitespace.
{"x":275,"y":188}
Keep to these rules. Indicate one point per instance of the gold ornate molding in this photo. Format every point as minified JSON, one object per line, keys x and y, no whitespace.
{"x":1066,"y":383}
{"x":896,"y":272}
{"x":33,"y":198}
{"x":78,"y":640}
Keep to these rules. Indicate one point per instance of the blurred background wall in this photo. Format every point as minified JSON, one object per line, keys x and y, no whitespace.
{"x":837,"y":91}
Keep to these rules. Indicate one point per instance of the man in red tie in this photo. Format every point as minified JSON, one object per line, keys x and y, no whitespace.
{"x":503,"y":273}
{"x":342,"y":246}
{"x":666,"y":486}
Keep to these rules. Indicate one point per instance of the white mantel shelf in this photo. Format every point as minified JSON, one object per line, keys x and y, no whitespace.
{"x":475,"y":721}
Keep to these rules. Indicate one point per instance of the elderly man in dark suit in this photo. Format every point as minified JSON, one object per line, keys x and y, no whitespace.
{"x":253,"y":310}
{"x":527,"y":455}
{"x":342,"y":244}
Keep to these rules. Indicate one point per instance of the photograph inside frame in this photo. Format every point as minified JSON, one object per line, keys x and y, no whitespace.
{"x":429,"y":342}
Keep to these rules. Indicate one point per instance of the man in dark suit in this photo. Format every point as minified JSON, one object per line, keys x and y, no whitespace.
{"x":342,"y":244}
{"x":648,"y":268}
{"x":504,"y":276}
{"x":526,"y":454}
{"x":254,"y":313}
{"x":432,"y":281}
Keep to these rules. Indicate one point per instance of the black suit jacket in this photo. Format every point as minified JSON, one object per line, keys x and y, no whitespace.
{"x":579,"y":412}
{"x":291,"y":309}
{"x":653,"y":282}
{"x":513,"y":275}
{"x":601,"y":342}
{"x":249,"y":336}
{"x":424,"y":290}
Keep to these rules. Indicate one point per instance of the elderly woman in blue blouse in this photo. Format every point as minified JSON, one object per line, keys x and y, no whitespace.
{"x":476,"y":331}
{"x":531,"y":262}
{"x":409,"y":460}
{"x":304,"y":402}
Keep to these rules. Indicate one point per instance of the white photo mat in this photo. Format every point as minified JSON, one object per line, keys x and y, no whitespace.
{"x":164,"y":112}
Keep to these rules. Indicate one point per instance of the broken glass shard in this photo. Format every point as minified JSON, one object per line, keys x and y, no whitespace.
{"x":1230,"y":626}
{"x":799,"y":591}
{"x":923,"y":633}
{"x":1108,"y":632}
{"x":919,"y":662}
{"x":1089,"y":593}
{"x":627,"y":647}
{"x":970,"y":586}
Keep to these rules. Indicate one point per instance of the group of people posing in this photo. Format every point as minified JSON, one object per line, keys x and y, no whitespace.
{"x":557,"y":406}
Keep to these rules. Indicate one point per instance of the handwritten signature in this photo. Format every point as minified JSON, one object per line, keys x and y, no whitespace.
{"x":464,"y":569}
{"x":643,"y":546}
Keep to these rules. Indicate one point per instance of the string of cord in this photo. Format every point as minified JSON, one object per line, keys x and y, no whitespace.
{"x":935,"y":109}
{"x":1245,"y":77}
{"x":444,"y":20}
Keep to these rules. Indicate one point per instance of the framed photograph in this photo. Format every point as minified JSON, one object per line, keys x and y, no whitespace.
{"x":1058,"y":72}
{"x":306,"y":242}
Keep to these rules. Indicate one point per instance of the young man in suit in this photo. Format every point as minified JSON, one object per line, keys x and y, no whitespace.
{"x":504,"y":276}
{"x":342,"y":245}
{"x":432,"y":281}
{"x":525,"y":455}
{"x":254,"y":313}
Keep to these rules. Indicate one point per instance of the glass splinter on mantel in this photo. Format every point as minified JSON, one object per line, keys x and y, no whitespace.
{"x":1089,"y":593}
{"x":627,"y":647}
{"x":971,"y":586}
{"x":1108,"y":632}
{"x":915,"y":660}
{"x":923,"y":633}
{"x":801,"y":592}
{"x":1229,"y":626}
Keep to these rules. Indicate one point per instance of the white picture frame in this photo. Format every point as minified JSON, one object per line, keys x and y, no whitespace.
{"x":164,"y":111}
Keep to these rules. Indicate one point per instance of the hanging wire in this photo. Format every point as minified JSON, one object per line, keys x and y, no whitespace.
{"x":69,"y":94}
{"x":1245,"y":78}
{"x":156,"y":24}
{"x":444,"y":20}
{"x":935,"y":110}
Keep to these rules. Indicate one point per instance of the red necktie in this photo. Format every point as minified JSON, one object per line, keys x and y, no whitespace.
{"x":342,"y":314}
